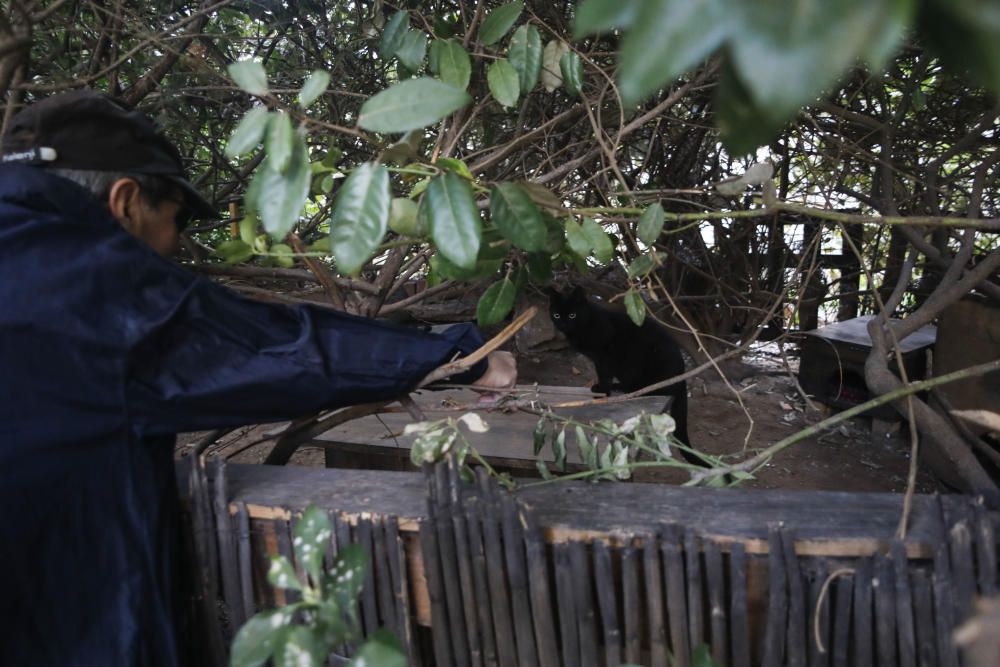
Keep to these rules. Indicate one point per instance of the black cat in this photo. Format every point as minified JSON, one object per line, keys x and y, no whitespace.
{"x":636,"y":356}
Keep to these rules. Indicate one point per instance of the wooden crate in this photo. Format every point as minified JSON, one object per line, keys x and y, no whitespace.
{"x":831,"y":368}
{"x":601,"y":574}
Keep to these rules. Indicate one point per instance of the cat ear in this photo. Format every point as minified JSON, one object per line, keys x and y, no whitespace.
{"x":578,"y":294}
{"x":552,"y":293}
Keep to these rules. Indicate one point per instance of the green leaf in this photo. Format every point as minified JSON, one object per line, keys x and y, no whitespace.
{"x":650,"y":224}
{"x":299,"y":647}
{"x":640,"y":266}
{"x":495,"y":303}
{"x":312,"y":534}
{"x":455,"y":225}
{"x":315,"y":85}
{"x":588,"y":449}
{"x":551,"y":73}
{"x":403,"y":218}
{"x":668,"y":38}
{"x":455,"y":165}
{"x":454,"y":64}
{"x":248,"y":228}
{"x":382,"y":649}
{"x":701,"y":656}
{"x":413,"y":49}
{"x":635,"y":307}
{"x":539,"y":268}
{"x":517,"y":217}
{"x":742,"y":126}
{"x":278,"y":197}
{"x":250,"y":76}
{"x":280,"y":141}
{"x":505,"y":86}
{"x":966,"y":35}
{"x":249,"y":133}
{"x":572,"y":73}
{"x":579,"y":242}
{"x":392,"y":36}
{"x":234,"y":251}
{"x":280,"y":574}
{"x":604,"y":250}
{"x":499,"y":22}
{"x":434,"y":55}
{"x":559,"y":451}
{"x":410,"y":105}
{"x":525,"y":54}
{"x":255,"y":642}
{"x":543,"y":469}
{"x":786,"y":59}
{"x":360,"y":216}
{"x":594,"y":16}
{"x":538,"y":436}
{"x":347,"y":576}
{"x":282,"y":255}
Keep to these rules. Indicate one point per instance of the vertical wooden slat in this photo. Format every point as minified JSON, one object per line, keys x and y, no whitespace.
{"x":449,"y":565}
{"x":383,"y":577}
{"x":464,"y":559}
{"x":797,"y":617}
{"x":496,"y":571}
{"x":401,"y":589}
{"x":715,"y":576}
{"x":904,"y":606}
{"x":944,"y":591}
{"x":986,"y":552}
{"x":566,"y":597}
{"x":738,"y":611}
{"x":583,"y":596}
{"x":666,"y":584}
{"x":819,"y":622}
{"x":607,"y":603}
{"x":242,"y":520}
{"x":513,"y":542}
{"x":692,"y":568}
{"x":844,"y":595}
{"x":369,"y":605}
{"x":484,"y":610}
{"x":342,"y":534}
{"x":542,"y":613}
{"x":283,"y":535}
{"x":923,"y":609}
{"x":885,"y":610}
{"x":232,"y":592}
{"x":962,"y":569}
{"x":206,"y":561}
{"x":433,"y":572}
{"x":863,"y":637}
{"x":631,"y":605}
{"x":777,"y":605}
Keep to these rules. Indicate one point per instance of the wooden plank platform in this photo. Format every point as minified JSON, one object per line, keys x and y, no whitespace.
{"x":507,"y":443}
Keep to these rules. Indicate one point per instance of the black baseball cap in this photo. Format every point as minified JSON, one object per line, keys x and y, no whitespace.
{"x":84,"y":129}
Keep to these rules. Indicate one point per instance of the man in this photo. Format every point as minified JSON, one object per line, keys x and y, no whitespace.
{"x":107,"y":350}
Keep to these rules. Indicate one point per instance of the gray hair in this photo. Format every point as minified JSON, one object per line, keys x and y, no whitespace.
{"x":155,"y":189}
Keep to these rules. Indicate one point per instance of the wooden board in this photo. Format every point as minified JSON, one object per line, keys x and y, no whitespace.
{"x":509,"y":437}
{"x":825,"y":523}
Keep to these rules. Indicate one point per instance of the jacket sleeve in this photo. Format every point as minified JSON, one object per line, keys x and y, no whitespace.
{"x":215,"y":359}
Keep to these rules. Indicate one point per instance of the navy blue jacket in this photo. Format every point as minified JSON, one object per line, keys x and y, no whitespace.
{"x":106,"y":352}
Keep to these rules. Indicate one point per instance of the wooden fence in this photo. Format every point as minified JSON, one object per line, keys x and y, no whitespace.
{"x":606,"y":574}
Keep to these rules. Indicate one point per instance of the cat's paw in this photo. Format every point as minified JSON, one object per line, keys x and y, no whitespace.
{"x":599,"y":388}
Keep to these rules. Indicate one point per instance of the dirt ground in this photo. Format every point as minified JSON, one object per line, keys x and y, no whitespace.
{"x":844,"y":459}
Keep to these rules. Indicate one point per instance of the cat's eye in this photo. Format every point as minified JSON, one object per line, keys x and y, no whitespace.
{"x":555,"y":316}
{"x":572,"y":315}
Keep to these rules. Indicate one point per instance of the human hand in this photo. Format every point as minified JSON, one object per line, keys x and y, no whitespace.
{"x":501,"y":372}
